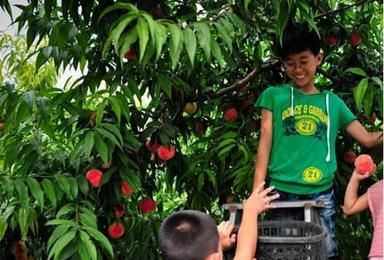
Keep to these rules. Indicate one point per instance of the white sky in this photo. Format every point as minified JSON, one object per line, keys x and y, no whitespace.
{"x":5,"y":25}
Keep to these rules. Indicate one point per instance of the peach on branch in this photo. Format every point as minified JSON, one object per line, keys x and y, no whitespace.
{"x":190,"y":108}
{"x":147,"y":205}
{"x":349,"y":156}
{"x":166,"y":153}
{"x":355,"y":38}
{"x":116,"y":230}
{"x":126,"y":190}
{"x":94,"y":177}
{"x":331,"y":40}
{"x":130,"y":55}
{"x":231,"y":114}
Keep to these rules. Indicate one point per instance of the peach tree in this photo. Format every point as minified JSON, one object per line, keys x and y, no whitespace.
{"x":162,"y":116}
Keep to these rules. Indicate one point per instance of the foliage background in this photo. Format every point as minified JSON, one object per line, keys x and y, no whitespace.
{"x":218,"y":54}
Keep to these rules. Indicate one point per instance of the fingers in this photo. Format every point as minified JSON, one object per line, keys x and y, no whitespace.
{"x":273,"y":197}
{"x":266,"y":191}
{"x":259,"y":187}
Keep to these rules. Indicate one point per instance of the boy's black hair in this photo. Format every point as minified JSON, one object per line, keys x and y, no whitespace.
{"x":188,"y":234}
{"x":298,"y":38}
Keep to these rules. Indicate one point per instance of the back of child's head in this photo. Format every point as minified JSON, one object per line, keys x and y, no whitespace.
{"x":298,"y":38}
{"x":188,"y":234}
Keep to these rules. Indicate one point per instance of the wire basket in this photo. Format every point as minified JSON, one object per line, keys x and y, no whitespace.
{"x":290,"y":240}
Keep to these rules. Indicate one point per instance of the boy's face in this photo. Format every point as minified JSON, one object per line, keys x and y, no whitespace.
{"x":301,"y":68}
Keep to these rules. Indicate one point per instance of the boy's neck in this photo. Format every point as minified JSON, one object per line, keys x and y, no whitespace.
{"x":307,"y":89}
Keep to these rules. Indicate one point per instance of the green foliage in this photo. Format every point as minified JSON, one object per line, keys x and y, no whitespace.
{"x":142,"y":62}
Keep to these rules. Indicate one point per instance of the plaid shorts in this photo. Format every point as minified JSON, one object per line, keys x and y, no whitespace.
{"x":327,"y":214}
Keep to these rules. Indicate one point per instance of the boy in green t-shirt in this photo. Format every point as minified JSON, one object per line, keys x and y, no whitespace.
{"x":299,"y":125}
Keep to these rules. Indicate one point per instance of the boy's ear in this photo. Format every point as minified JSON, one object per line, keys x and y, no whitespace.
{"x":320,"y":57}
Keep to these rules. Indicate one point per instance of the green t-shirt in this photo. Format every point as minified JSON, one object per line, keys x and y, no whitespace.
{"x":299,"y":144}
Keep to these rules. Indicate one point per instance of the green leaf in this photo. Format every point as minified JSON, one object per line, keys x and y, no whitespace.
{"x":357,"y":71}
{"x":65,"y":222}
{"x":368,"y":100}
{"x":151,"y":26}
{"x":161,"y":37}
{"x":64,"y":185}
{"x":3,"y":227}
{"x":204,"y":36}
{"x":116,"y":108}
{"x":37,"y":193}
{"x":108,"y":135}
{"x":246,"y":4}
{"x":117,"y":31}
{"x":113,"y":129}
{"x":22,"y":193}
{"x":142,"y":30}
{"x":57,"y":232}
{"x":216,"y":51}
{"x":165,"y":84}
{"x":282,"y":19}
{"x":50,"y":191}
{"x":22,"y":218}
{"x":359,"y":93}
{"x":127,"y":40}
{"x":226,"y":150}
{"x":176,"y":35}
{"x":29,"y":98}
{"x":120,"y":28}
{"x":61,"y":243}
{"x":91,"y":249}
{"x":104,"y":242}
{"x":118,"y":6}
{"x":239,"y":24}
{"x":88,"y":218}
{"x":65,"y":210}
{"x":101,"y":147}
{"x":224,"y":34}
{"x":190,"y":44}
{"x":88,"y":142}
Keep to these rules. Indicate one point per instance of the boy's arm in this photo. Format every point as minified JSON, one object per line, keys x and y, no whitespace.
{"x":360,"y":134}
{"x":352,"y":202}
{"x":258,"y":202}
{"x":264,"y":147}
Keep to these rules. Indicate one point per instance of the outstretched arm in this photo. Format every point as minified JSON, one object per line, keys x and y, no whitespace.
{"x":264,"y":147}
{"x":360,"y":134}
{"x":258,"y":202}
{"x":352,"y":202}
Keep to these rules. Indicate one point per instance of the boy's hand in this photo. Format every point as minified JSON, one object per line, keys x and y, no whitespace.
{"x":226,"y":238}
{"x":259,"y":201}
{"x":360,"y":177}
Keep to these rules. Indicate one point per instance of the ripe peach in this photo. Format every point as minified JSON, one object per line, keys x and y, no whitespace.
{"x":94,"y":176}
{"x":166,"y":153}
{"x":364,"y":164}
{"x":147,"y":205}
{"x":231,"y":114}
{"x":349,"y":156}
{"x":116,"y":230}
{"x":355,"y":39}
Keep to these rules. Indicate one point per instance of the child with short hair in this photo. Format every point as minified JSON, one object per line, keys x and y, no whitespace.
{"x":193,"y":235}
{"x":299,"y":126}
{"x":372,"y":199}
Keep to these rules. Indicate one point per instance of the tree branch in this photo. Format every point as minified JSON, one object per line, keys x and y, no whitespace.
{"x":246,"y":79}
{"x":343,"y":8}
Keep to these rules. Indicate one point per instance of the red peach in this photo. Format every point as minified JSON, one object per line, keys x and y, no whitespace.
{"x":94,"y":177}
{"x":116,"y":230}
{"x":349,"y":156}
{"x":364,"y":164}
{"x":166,"y":153}
{"x":355,"y":39}
{"x":125,"y":189}
{"x":130,"y":55}
{"x":231,"y":114}
{"x":147,"y":205}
